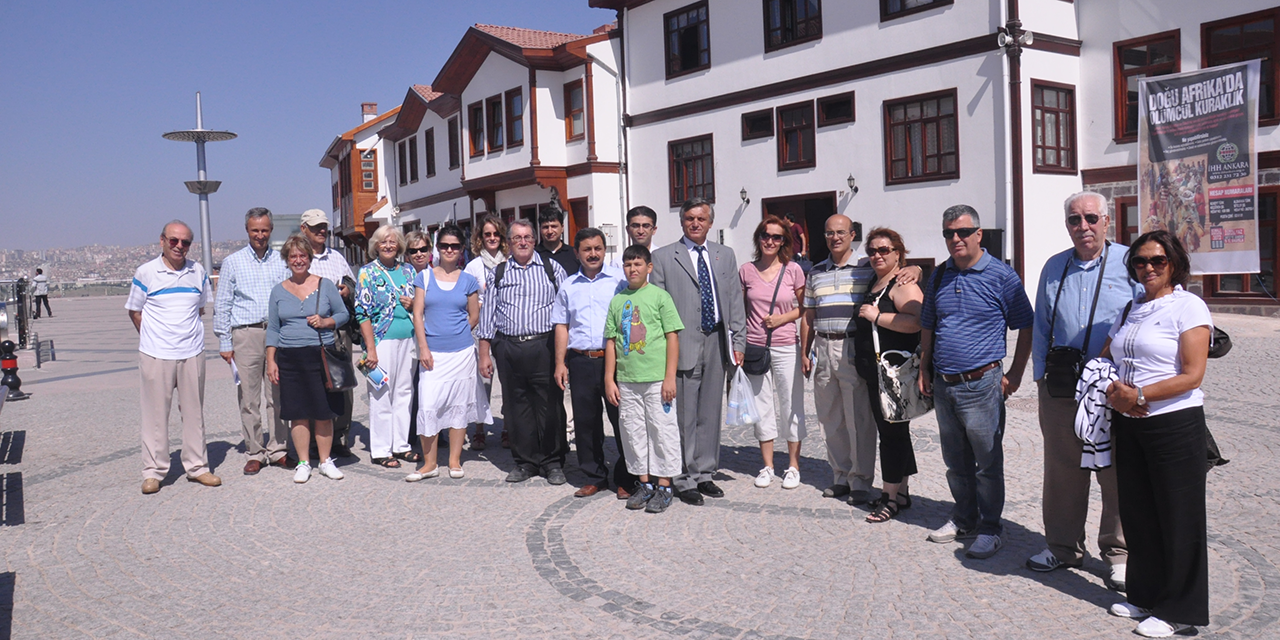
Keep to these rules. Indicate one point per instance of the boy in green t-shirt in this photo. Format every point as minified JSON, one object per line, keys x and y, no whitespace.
{"x":641,"y":351}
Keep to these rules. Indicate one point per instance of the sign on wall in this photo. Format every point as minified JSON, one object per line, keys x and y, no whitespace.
{"x":1197,"y":164}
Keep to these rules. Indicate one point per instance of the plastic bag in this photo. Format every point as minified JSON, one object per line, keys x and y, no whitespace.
{"x":742,"y":403}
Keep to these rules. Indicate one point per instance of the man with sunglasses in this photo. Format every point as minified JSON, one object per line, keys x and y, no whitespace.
{"x":165,"y":304}
{"x":967,"y":310}
{"x":332,"y":266}
{"x":642,"y":223}
{"x":1082,"y":292}
{"x":245,"y":282}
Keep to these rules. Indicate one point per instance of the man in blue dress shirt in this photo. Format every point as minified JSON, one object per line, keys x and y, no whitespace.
{"x":581,"y":307}
{"x":1082,"y":292}
{"x":245,"y":282}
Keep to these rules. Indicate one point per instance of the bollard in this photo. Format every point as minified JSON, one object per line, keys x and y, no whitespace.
{"x":9,"y":365}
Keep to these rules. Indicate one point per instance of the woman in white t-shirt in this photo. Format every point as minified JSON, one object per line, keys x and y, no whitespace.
{"x":489,"y":246}
{"x":1160,"y":347}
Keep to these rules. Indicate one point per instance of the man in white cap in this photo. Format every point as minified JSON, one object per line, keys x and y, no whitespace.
{"x":330,"y":264}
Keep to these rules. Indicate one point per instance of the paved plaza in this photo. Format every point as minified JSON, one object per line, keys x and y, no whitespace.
{"x":373,"y":556}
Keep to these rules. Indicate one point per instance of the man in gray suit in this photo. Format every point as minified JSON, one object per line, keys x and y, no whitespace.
{"x":702,"y":278}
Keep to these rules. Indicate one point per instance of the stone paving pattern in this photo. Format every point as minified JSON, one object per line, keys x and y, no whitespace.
{"x":373,"y":556}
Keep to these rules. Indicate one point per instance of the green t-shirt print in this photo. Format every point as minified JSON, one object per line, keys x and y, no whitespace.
{"x":638,"y":323}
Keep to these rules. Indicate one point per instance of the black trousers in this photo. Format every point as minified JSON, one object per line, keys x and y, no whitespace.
{"x":45,"y":300}
{"x":1160,"y":475}
{"x":897,"y":457}
{"x":586,"y":384}
{"x":532,"y":402}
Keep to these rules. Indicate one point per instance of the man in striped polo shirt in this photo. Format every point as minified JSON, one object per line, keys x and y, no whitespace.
{"x":964,"y":319}
{"x":165,"y":304}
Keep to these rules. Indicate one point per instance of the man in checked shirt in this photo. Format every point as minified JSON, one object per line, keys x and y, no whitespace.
{"x":240,"y":322}
{"x":516,"y":326}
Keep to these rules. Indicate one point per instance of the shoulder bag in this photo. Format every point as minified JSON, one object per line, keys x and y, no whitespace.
{"x":339,"y":373}
{"x":1063,"y":365}
{"x":900,"y":397}
{"x":756,"y":360}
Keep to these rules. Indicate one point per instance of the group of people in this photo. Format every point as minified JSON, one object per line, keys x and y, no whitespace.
{"x":649,"y":339}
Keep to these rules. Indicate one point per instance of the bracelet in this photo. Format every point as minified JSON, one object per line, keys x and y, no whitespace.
{"x":877,"y":320}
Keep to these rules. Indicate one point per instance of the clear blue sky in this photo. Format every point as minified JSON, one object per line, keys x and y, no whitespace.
{"x":89,"y":87}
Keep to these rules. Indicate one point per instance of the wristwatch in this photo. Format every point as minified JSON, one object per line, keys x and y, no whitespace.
{"x":1142,"y":400}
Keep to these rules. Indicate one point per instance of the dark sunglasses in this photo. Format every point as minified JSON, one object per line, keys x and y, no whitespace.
{"x":1091,"y":218}
{"x":173,"y":242}
{"x":449,"y":246}
{"x":963,"y":232}
{"x":772,"y":236}
{"x":883,"y":251}
{"x":415,"y":251}
{"x":492,"y":234}
{"x":1156,"y":262}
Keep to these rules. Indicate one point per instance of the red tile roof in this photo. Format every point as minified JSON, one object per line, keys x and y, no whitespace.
{"x":529,"y":38}
{"x":425,"y":91}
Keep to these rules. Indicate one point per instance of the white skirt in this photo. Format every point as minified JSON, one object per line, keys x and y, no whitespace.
{"x":451,"y":395}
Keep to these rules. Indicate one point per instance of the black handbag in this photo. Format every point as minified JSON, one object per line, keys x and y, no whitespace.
{"x":756,"y":360}
{"x":339,"y":373}
{"x":1063,"y":365}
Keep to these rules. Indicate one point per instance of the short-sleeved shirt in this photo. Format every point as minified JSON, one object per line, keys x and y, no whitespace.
{"x":834,"y":293}
{"x":759,"y":293}
{"x":170,"y":301}
{"x":970,"y":311}
{"x":1145,"y":348}
{"x":331,"y":266}
{"x":639,"y":321}
{"x":582,"y":304}
{"x":444,"y":312}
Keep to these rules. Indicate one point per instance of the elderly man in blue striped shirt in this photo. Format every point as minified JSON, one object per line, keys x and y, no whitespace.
{"x":240,"y":322}
{"x":516,"y":326}
{"x":970,"y":303}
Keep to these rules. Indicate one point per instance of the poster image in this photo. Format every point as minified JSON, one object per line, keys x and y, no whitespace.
{"x":1197,"y":164}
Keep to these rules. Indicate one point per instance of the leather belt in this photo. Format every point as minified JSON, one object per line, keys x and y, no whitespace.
{"x":256,"y":325}
{"x":972,"y":374}
{"x":834,"y":336}
{"x":590,"y":353}
{"x":532,"y":336}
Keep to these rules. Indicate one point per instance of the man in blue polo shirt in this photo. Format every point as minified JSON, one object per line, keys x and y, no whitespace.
{"x":964,"y":320}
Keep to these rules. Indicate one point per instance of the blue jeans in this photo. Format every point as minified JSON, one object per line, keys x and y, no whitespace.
{"x":971,"y":432}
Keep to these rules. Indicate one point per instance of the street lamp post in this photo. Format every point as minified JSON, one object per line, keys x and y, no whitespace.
{"x":203,"y":186}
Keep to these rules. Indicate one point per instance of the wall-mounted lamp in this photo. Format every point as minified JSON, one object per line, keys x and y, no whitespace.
{"x":853,"y":184}
{"x":743,"y":194}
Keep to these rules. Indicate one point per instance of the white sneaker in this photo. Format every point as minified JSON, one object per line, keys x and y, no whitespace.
{"x":1116,"y":582}
{"x":765,"y":477}
{"x":1044,"y":561}
{"x":984,"y":547}
{"x":950,"y":532}
{"x":1154,"y":627}
{"x":791,"y":478}
{"x":302,"y":473}
{"x":1126,"y":610}
{"x":330,"y":470}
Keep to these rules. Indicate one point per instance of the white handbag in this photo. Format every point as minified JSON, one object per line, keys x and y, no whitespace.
{"x":900,"y":397}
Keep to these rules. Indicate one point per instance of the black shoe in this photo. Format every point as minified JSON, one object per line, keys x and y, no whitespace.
{"x":710,"y":489}
{"x":555,"y":476}
{"x":339,"y":450}
{"x":660,"y":501}
{"x":519,"y":474}
{"x":835,"y":491}
{"x":857,"y":498}
{"x":691,"y":497}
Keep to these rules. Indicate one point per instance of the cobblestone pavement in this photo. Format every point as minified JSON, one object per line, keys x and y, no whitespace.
{"x":372,"y":556}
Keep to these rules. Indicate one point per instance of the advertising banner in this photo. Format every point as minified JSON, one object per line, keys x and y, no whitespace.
{"x":1198,"y":165}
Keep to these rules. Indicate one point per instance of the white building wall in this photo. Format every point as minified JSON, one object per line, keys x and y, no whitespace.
{"x":606,"y":89}
{"x":1049,"y":16}
{"x":496,"y":76}
{"x":445,"y":179}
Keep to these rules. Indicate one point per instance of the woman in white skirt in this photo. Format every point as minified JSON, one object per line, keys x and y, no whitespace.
{"x":446,"y":307}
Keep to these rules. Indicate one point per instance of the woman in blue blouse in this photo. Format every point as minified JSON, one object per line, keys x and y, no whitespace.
{"x":301,"y":315}
{"x":384,"y":294}
{"x":446,"y":306}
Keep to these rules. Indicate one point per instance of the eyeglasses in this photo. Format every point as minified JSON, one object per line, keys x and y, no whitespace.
{"x":321,"y":229}
{"x":836,"y":234}
{"x":640,"y":226}
{"x":1091,"y":218}
{"x":963,"y":232}
{"x":882,"y":251}
{"x":173,"y":242}
{"x":772,"y":237}
{"x":492,"y":234}
{"x":1156,"y":262}
{"x":522,"y":239}
{"x":413,"y":251}
{"x":449,"y":246}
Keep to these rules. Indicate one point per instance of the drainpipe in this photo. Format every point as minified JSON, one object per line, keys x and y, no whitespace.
{"x":1013,"y":39}
{"x":622,"y":191}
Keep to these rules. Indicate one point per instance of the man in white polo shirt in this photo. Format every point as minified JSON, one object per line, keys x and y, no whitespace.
{"x":165,"y":304}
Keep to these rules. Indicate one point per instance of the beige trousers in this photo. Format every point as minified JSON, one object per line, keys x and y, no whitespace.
{"x":250,"y":346}
{"x":844,"y":410}
{"x":159,"y":380}
{"x":1066,"y":489}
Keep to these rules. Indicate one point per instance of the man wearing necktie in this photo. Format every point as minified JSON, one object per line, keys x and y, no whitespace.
{"x":702,"y":278}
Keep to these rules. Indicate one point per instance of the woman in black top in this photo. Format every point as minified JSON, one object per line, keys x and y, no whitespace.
{"x":894,"y":308}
